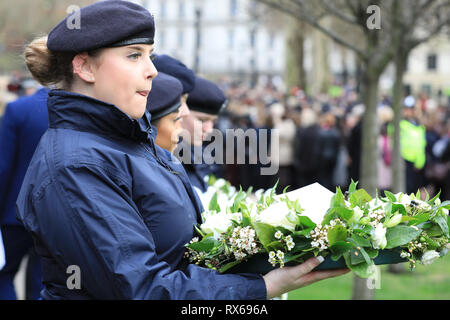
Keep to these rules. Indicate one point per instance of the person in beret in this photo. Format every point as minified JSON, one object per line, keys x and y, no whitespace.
{"x":108,"y":213}
{"x":205,"y":102}
{"x":177,"y":69}
{"x":165,"y":106}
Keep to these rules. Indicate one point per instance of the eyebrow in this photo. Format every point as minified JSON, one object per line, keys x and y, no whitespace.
{"x":139,"y":48}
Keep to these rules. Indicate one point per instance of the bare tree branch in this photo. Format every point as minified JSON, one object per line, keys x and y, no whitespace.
{"x":338,"y":12}
{"x":313,"y":20}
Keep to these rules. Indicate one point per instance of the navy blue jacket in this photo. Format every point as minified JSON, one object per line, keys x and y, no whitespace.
{"x":25,"y":121}
{"x":196,"y":171}
{"x":100,"y":195}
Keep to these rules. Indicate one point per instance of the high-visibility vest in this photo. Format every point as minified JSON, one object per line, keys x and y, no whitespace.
{"x":413,"y":143}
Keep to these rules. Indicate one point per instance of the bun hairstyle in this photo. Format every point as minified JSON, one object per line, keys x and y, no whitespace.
{"x":47,"y":67}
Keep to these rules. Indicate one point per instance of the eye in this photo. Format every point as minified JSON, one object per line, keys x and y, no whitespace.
{"x":134,"y":56}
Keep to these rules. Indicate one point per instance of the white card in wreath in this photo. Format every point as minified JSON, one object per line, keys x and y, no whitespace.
{"x":314,"y":199}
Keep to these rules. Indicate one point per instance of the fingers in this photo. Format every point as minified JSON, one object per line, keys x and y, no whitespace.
{"x":321,"y":275}
{"x":309,"y":265}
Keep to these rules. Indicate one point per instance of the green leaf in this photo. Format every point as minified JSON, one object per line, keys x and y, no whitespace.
{"x":330,"y":215}
{"x":361,"y":241}
{"x":359,"y":197}
{"x":339,"y":248}
{"x":443,"y":223}
{"x":420,"y":218}
{"x":356,"y":257}
{"x":407,"y":219}
{"x":228,"y":266}
{"x":373,"y":253}
{"x":362,"y":270}
{"x":338,"y":199}
{"x":431,"y":244}
{"x":344,"y":213}
{"x":401,"y":235}
{"x":213,"y":204}
{"x":352,"y":187}
{"x":390,"y":196}
{"x":306,"y":223}
{"x":418,"y":195}
{"x":336,"y":234}
{"x":434,"y":231}
{"x":396,"y":207}
{"x":206,"y":245}
{"x":431,"y":201}
{"x":265,"y":233}
{"x":443,"y":205}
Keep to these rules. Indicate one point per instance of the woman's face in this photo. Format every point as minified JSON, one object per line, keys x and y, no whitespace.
{"x":123,"y":77}
{"x":198,"y":125}
{"x":169,"y":129}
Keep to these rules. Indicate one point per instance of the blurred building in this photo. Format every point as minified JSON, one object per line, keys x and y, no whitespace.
{"x":226,"y":37}
{"x":428,"y":68}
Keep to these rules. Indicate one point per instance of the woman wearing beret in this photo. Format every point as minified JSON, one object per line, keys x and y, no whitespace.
{"x":167,"y":109}
{"x":108,"y":215}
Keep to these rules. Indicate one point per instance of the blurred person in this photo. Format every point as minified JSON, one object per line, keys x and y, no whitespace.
{"x":307,"y":149}
{"x":329,"y":146}
{"x":284,"y":154}
{"x":384,"y":161}
{"x":205,"y":102}
{"x":413,"y":148}
{"x":24,"y":123}
{"x":354,"y":141}
{"x":436,"y":168}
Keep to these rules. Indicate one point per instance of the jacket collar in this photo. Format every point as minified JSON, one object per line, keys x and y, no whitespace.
{"x":71,"y":110}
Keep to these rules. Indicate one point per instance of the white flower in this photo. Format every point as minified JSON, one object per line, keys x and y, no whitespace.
{"x":258,"y":193}
{"x":219,"y":183}
{"x":278,"y":234}
{"x":278,"y":215}
{"x":393,"y":221}
{"x":429,"y":257}
{"x":402,"y":198}
{"x":404,"y":254}
{"x":437,"y":202}
{"x":357,"y":215}
{"x":422,"y":205}
{"x":280,"y":254}
{"x":218,"y":223}
{"x":379,"y":240}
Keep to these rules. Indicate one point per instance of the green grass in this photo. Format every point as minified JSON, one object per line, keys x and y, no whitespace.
{"x":425,"y":283}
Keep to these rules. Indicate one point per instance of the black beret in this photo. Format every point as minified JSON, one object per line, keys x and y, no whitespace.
{"x":111,"y":23}
{"x":177,"y":69}
{"x":165,"y":96}
{"x":206,"y":97}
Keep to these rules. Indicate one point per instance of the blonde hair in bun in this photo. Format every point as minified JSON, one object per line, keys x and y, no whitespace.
{"x":47,"y":67}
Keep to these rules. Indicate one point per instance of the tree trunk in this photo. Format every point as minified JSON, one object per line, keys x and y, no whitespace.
{"x":361,"y":290}
{"x":368,"y":174}
{"x":398,"y":165}
{"x":295,"y":71}
{"x":370,"y":131}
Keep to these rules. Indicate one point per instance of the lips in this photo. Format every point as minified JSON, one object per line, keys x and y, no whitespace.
{"x":143,"y":93}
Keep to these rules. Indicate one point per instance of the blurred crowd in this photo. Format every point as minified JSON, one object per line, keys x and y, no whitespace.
{"x":320,"y":138}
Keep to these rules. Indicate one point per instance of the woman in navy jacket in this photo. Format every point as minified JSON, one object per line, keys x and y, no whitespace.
{"x":104,"y":203}
{"x":24,"y":123}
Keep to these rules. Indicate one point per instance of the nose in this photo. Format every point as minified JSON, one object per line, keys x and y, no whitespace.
{"x":208,"y":126}
{"x":184,"y":110}
{"x":150,"y":70}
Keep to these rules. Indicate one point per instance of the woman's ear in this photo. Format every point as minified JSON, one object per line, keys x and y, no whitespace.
{"x":82,"y":66}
